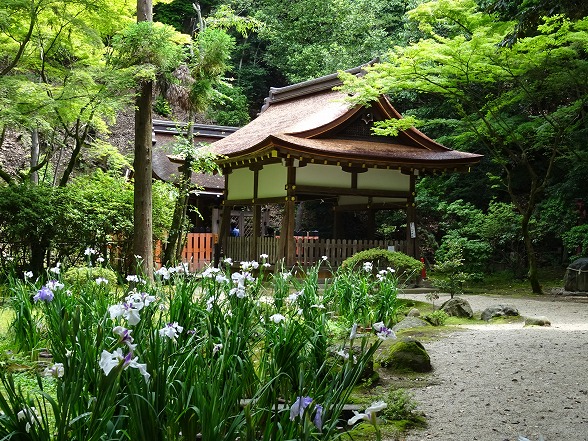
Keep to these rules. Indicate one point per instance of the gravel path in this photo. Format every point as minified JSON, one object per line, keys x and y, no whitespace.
{"x":497,"y":382}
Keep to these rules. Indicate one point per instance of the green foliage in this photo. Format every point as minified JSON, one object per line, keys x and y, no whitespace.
{"x":576,"y":241}
{"x":94,"y":211}
{"x":392,"y":127}
{"x":25,"y":325}
{"x":405,"y":266}
{"x":161,"y":106}
{"x":84,"y":274}
{"x":449,"y":273}
{"x":229,"y":107}
{"x":107,"y":157}
{"x":484,"y":239}
{"x":401,"y":406}
{"x":195,"y":364}
{"x":310,"y":38}
{"x":363,"y":297}
{"x":58,"y":82}
{"x":149,"y":49}
{"x":436,"y":318}
{"x":208,"y":66}
{"x":31,"y":218}
{"x":495,"y":95}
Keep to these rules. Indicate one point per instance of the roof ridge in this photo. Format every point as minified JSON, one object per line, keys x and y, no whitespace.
{"x":321,"y":84}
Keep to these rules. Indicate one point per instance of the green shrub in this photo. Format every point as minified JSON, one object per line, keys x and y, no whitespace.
{"x":401,"y":406}
{"x":405,"y":266}
{"x":83,"y":274}
{"x":161,"y":106}
{"x":437,"y":318}
{"x":576,"y":241}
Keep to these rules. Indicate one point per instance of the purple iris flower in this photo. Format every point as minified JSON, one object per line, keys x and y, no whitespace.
{"x":318,"y":417}
{"x":44,"y":294}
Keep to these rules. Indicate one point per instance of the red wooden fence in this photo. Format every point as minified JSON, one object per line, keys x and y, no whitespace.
{"x":199,"y":249}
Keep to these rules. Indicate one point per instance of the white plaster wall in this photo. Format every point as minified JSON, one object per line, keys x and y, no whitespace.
{"x":383,"y":179}
{"x":272,"y":181}
{"x":240,"y":184}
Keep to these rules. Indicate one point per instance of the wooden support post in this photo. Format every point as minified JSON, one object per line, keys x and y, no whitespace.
{"x":411,"y":233}
{"x":289,"y":222}
{"x":223,"y":233}
{"x":287,"y":243}
{"x":256,"y":232}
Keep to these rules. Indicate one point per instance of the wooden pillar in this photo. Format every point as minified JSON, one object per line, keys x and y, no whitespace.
{"x":287,"y":245}
{"x":215,"y":220}
{"x":411,"y":233}
{"x":290,"y":244}
{"x":256,"y":233}
{"x":223,"y":233}
{"x":224,"y":222}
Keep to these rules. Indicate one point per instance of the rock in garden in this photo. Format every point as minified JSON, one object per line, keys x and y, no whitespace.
{"x":499,"y":311}
{"x":576,"y":277}
{"x":408,"y":323}
{"x":406,"y":355}
{"x":537,"y":321}
{"x":413,"y":313}
{"x":457,"y":307}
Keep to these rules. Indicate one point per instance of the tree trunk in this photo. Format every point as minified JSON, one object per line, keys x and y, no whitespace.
{"x":533,"y":273}
{"x":173,"y":248}
{"x":143,"y":214}
{"x":38,"y":251}
{"x":34,"y":156}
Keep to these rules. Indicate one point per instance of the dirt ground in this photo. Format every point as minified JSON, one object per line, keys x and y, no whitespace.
{"x":497,"y":382}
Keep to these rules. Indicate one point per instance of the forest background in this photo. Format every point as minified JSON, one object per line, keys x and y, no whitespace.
{"x":507,"y":79}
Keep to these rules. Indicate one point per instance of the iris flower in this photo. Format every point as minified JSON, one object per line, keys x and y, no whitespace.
{"x":28,"y":414}
{"x":110,"y":360}
{"x":297,"y":409}
{"x":171,"y":331}
{"x":383,"y":332}
{"x":44,"y":294}
{"x":125,"y":336}
{"x":277,"y":318}
{"x":369,"y":414}
{"x":55,"y":371}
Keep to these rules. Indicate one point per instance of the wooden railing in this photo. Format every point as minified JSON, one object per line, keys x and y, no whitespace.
{"x":199,"y":250}
{"x":309,"y":250}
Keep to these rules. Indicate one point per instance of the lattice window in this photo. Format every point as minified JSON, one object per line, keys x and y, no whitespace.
{"x":247,"y":226}
{"x":243,"y":220}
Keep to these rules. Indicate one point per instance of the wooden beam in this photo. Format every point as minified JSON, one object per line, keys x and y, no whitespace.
{"x":316,"y":190}
{"x":260,"y":201}
{"x":375,"y":206}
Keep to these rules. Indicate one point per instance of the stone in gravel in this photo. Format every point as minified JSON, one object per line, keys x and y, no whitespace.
{"x":408,"y":323}
{"x":413,"y":313}
{"x":406,"y":355}
{"x":457,"y":307}
{"x":499,"y":311}
{"x":576,"y":277}
{"x":537,"y":321}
